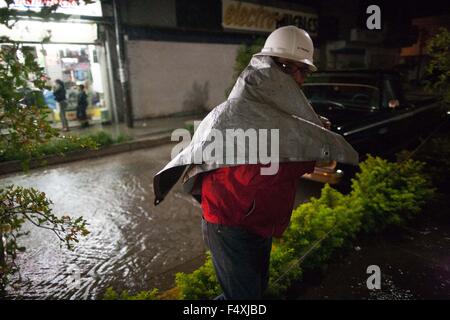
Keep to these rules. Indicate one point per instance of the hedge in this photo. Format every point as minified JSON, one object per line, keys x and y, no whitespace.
{"x":384,"y":194}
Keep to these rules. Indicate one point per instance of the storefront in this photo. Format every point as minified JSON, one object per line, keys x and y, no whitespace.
{"x":180,"y":55}
{"x":73,"y":54}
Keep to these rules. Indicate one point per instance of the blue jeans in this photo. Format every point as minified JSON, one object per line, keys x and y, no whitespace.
{"x":240,"y":258}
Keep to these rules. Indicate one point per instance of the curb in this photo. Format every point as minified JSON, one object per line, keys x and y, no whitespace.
{"x":16,"y":165}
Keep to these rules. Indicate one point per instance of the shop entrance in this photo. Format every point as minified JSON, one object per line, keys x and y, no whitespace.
{"x":74,"y":65}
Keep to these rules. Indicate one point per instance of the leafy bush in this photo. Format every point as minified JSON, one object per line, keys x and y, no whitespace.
{"x":62,"y":145}
{"x":384,"y":194}
{"x":24,"y":128}
{"x":123,"y":137}
{"x":438,"y":48}
{"x":330,"y":217}
{"x":284,"y":268}
{"x":200,"y":284}
{"x":436,"y":154}
{"x":111,"y":294}
{"x":243,"y":57}
{"x":389,"y":193}
{"x":18,"y":205}
{"x":102,"y":138}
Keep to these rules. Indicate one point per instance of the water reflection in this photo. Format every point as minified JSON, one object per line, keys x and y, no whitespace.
{"x":132,"y":244}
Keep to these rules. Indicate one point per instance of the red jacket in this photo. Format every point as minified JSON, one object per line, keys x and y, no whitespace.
{"x":241,"y":196}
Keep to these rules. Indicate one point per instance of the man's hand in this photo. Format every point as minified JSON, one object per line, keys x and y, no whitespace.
{"x":325,"y":122}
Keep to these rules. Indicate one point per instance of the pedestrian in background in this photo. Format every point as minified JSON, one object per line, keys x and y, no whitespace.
{"x":82,"y":106}
{"x":60,"y":96}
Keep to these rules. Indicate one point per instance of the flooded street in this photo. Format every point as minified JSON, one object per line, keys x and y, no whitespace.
{"x":132,"y":245}
{"x":136,"y":246}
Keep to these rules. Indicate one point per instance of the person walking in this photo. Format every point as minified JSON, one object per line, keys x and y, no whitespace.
{"x":243,"y":204}
{"x":60,"y":96}
{"x":82,"y":106}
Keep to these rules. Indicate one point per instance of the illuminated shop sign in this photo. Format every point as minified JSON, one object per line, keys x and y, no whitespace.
{"x":247,"y":16}
{"x":48,"y":3}
{"x":72,"y":7}
{"x":37,"y":31}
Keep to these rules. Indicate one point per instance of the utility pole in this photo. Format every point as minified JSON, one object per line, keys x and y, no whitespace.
{"x":123,"y":72}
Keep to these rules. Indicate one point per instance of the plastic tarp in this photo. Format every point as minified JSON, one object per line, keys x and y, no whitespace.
{"x":264,"y":98}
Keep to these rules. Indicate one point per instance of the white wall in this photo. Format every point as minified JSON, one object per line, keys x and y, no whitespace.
{"x":173,"y":77}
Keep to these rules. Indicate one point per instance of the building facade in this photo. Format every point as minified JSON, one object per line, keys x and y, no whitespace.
{"x":180,"y":54}
{"x":153,"y":58}
{"x":67,"y":47}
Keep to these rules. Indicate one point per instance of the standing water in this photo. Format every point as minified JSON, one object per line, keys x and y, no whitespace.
{"x":132,"y":244}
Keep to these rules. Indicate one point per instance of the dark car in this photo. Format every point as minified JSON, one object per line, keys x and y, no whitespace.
{"x":372,"y":112}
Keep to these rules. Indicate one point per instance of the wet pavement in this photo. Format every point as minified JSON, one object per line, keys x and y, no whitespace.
{"x":141,"y":129}
{"x":133,"y":245}
{"x":414,"y":263}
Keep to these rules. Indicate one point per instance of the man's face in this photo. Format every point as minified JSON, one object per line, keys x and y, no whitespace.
{"x":299,"y":71}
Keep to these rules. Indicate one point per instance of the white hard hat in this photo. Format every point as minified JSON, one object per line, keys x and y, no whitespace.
{"x":291,"y":43}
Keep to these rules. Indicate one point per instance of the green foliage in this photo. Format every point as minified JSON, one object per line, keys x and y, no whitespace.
{"x":111,"y":294}
{"x":436,"y":154}
{"x":23,"y":114}
{"x":101,"y":138}
{"x":63,"y":144}
{"x":19,"y":205}
{"x":200,"y":284}
{"x":243,"y":57}
{"x":123,"y":137}
{"x":331,"y":217}
{"x":56,"y":146}
{"x":22,"y":126}
{"x":23,"y":130}
{"x":190,"y":128}
{"x":384,"y":194}
{"x":284,"y":268}
{"x":245,"y":54}
{"x":438,"y":48}
{"x":389,"y":193}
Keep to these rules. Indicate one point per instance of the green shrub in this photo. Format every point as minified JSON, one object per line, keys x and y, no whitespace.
{"x":389,"y":193}
{"x":111,"y":294}
{"x":122,"y":137}
{"x":243,"y":57}
{"x":19,"y":205}
{"x":200,"y":284}
{"x":61,"y":145}
{"x":284,"y":268}
{"x":438,"y":68}
{"x":436,"y":154}
{"x":310,"y":222}
{"x":102,"y":138}
{"x":384,"y":194}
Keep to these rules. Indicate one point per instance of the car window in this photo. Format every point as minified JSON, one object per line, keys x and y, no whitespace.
{"x":364,"y":79}
{"x":347,"y":94}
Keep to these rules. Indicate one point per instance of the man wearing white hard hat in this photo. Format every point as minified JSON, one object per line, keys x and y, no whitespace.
{"x":242,"y":207}
{"x":292,"y":49}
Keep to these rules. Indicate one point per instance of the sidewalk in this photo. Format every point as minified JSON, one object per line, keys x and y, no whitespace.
{"x":144,"y":134}
{"x":142,"y":128}
{"x":414,"y":263}
{"x":414,"y":259}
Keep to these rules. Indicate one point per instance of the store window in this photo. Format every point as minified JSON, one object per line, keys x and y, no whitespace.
{"x":71,"y":55}
{"x":73,"y":64}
